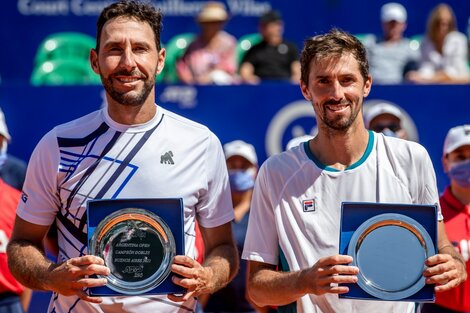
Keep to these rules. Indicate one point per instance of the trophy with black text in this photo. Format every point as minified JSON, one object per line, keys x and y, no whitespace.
{"x":137,"y":239}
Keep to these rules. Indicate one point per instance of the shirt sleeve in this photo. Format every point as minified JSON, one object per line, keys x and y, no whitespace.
{"x":429,"y":193}
{"x":261,"y":242}
{"x":215,"y":206}
{"x":40,"y":200}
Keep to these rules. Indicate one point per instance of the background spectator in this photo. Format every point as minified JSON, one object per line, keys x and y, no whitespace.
{"x":14,"y":298}
{"x":385,"y":118}
{"x":444,"y":50}
{"x":392,"y":56}
{"x":210,"y":58}
{"x":12,"y":169}
{"x":455,"y":206}
{"x":273,"y":58}
{"x":242,"y":164}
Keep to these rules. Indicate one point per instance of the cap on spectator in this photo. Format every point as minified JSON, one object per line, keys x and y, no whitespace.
{"x":393,"y":12}
{"x":270,"y":17}
{"x":212,"y":11}
{"x":3,"y":126}
{"x":241,"y":148}
{"x":294,"y":142}
{"x":379,"y":109}
{"x":457,"y":137}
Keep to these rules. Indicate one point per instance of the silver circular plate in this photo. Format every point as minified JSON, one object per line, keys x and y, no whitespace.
{"x":138,"y":248}
{"x":390,"y":250}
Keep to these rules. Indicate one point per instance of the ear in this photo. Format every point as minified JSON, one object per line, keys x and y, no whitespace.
{"x":367,"y":86}
{"x":161,"y":60}
{"x":94,"y":61}
{"x":445,"y":163}
{"x":305,"y":91}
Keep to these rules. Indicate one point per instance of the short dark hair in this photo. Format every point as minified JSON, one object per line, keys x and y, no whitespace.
{"x":332,"y":44}
{"x":143,"y":12}
{"x":270,"y":17}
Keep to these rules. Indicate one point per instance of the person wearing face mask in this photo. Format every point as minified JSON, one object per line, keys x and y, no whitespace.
{"x":455,"y":205}
{"x":12,"y":169}
{"x":242,"y":165}
{"x":385,"y":118}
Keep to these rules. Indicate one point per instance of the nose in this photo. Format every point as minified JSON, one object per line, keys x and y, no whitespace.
{"x":128,"y":59}
{"x":336,"y":91}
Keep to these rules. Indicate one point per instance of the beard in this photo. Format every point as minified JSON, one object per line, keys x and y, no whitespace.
{"x":340,"y":123}
{"x":130,"y":98}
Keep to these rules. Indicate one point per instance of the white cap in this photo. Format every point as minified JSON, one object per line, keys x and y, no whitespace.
{"x":379,"y":109}
{"x":212,"y":11}
{"x":294,"y":142}
{"x":241,"y":148}
{"x":3,"y":126}
{"x":457,"y":137}
{"x":393,"y":12}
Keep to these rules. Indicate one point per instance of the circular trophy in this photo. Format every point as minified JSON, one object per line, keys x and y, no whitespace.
{"x":138,"y":248}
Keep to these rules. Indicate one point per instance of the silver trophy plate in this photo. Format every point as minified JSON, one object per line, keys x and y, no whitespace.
{"x":138,"y":248}
{"x":390,"y":250}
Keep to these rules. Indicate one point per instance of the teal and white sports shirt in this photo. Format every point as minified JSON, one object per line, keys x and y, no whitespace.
{"x":296,"y":208}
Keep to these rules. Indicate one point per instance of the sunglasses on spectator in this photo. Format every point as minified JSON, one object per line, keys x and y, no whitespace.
{"x":380,"y":127}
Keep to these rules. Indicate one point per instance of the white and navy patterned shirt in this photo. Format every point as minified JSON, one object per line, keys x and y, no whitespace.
{"x":94,"y":157}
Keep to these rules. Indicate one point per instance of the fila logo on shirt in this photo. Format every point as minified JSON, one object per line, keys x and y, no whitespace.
{"x":309,"y":205}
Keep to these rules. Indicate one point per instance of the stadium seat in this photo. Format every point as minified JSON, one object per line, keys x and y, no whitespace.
{"x":366,"y":38}
{"x":64,"y":72}
{"x":64,"y":46}
{"x":415,"y":41}
{"x":244,"y":44}
{"x":175,"y":49}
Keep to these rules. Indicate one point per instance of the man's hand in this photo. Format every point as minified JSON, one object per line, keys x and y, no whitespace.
{"x":445,"y":271}
{"x":72,"y":277}
{"x":194,"y":277}
{"x":326,"y":275}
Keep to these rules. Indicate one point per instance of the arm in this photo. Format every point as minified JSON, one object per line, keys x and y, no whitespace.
{"x":219,"y":267}
{"x":29,"y":265}
{"x":446,"y":269}
{"x":247,"y":73}
{"x":266,"y":286}
{"x":295,"y":72}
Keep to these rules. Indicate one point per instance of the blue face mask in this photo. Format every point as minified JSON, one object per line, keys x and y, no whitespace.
{"x":389,"y":133}
{"x":3,"y":154}
{"x":460,"y":173}
{"x":241,"y":180}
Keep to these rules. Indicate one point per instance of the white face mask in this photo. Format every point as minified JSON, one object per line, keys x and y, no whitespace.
{"x":3,"y":153}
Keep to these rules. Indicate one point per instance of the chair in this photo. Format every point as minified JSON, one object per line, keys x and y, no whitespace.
{"x":64,"y":72}
{"x":415,"y":41}
{"x":245,"y":43}
{"x":366,"y":38}
{"x":175,"y":49}
{"x":64,"y":45}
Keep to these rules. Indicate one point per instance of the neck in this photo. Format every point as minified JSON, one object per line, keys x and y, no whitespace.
{"x":461,"y":193}
{"x":131,"y":114}
{"x":340,"y":150}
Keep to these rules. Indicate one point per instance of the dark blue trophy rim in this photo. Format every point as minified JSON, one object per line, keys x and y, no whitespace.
{"x":367,"y":229}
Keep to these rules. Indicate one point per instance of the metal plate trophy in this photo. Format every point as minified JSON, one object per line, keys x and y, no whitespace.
{"x":389,"y":243}
{"x":137,"y":239}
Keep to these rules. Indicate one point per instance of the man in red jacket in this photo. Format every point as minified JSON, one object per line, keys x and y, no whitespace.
{"x":14,"y":297}
{"x":455,"y":205}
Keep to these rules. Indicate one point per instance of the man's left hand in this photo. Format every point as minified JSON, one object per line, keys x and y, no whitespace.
{"x":445,"y":271}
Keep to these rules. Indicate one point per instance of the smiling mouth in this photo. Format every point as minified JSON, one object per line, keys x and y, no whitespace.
{"x":336,"y":107}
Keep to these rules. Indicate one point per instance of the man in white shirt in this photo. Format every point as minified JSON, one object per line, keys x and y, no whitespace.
{"x":130,"y":149}
{"x":296,"y":208}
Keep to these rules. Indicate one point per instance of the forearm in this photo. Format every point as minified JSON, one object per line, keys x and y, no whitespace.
{"x":222,"y":262}
{"x":28,"y":264}
{"x":269,"y":287}
{"x":447,"y":248}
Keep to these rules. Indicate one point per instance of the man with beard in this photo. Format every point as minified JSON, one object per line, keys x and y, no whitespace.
{"x":296,"y":208}
{"x":133,"y":148}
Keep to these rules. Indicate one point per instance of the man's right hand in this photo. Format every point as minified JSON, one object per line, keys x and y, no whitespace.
{"x":326,"y":275}
{"x":71,"y":277}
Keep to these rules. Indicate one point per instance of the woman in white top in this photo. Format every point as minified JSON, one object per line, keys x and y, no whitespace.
{"x":443,"y":50}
